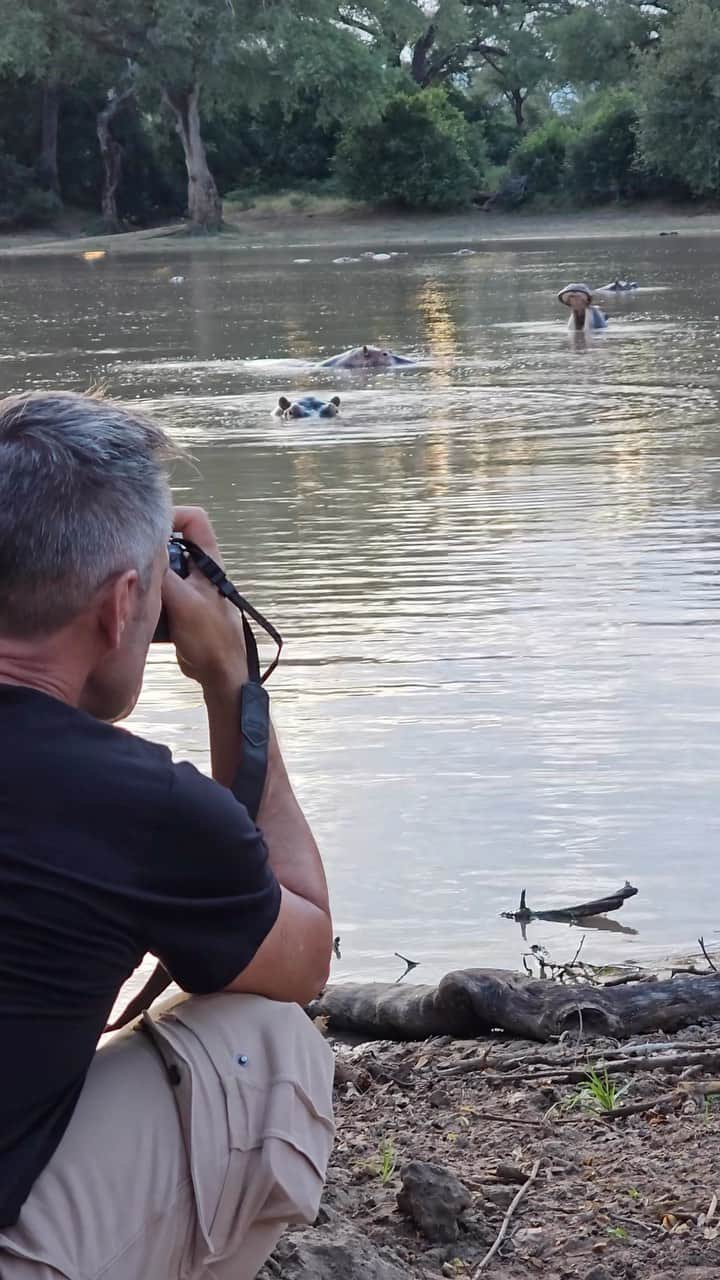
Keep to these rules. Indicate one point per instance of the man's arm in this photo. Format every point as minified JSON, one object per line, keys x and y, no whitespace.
{"x":293,"y":961}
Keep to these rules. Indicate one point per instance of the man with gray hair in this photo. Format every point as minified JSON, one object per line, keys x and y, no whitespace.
{"x":182,"y":1151}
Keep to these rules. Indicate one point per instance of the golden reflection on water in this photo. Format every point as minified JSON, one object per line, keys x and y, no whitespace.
{"x":496,"y":573}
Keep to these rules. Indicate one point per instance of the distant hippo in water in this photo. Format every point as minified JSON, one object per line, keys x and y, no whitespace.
{"x":619,"y":286}
{"x":365,"y":358}
{"x":585,"y":315}
{"x":307,"y":407}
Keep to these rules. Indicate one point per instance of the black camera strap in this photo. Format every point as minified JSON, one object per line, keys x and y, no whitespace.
{"x":254,"y":707}
{"x":254,"y":722}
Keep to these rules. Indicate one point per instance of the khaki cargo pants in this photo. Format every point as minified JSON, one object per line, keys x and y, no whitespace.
{"x":199,"y":1134}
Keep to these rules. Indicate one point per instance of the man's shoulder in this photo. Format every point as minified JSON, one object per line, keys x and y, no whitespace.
{"x":47,"y":736}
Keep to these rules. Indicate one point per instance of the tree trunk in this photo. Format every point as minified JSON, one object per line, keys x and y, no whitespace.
{"x":204,"y":203}
{"x":517,"y":102}
{"x":48,"y":163}
{"x":112,"y":156}
{"x":420,"y":56}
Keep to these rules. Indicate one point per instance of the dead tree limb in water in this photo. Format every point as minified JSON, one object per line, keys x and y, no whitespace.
{"x":569,"y":915}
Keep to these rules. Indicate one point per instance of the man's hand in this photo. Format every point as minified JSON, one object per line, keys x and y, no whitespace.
{"x":204,"y":627}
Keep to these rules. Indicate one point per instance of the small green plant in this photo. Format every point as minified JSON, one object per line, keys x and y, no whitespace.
{"x":712,"y":1105}
{"x":634,"y":1193}
{"x":597,"y":1093}
{"x":388,"y":1160}
{"x":617,"y":1233}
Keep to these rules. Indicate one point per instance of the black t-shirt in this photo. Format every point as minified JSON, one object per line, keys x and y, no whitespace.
{"x":108,"y":851}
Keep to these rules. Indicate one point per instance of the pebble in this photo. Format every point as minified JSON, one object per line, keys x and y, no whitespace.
{"x":439,"y":1098}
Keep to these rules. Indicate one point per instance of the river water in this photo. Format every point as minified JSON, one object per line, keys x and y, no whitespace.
{"x":496,"y":573}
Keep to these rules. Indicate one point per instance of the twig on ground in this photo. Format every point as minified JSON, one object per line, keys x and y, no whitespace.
{"x":506,"y":1119}
{"x":645,"y":1104}
{"x":559,"y":1064}
{"x":624,"y":978}
{"x":713,"y":966}
{"x":482,"y":1264}
{"x":684,"y":1090}
{"x":569,"y":1075}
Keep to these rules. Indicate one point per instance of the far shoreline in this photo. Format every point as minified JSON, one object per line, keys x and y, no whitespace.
{"x":260,"y":228}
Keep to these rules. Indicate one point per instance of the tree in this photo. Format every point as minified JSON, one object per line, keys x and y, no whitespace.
{"x":597,"y":45}
{"x":111,"y":151}
{"x":216,"y":50}
{"x":35,"y":42}
{"x":437,"y":41}
{"x":519,"y":30}
{"x":679,"y":100}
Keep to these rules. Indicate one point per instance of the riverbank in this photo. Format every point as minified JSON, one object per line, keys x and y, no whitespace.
{"x":631,"y":1196}
{"x":269,"y":226}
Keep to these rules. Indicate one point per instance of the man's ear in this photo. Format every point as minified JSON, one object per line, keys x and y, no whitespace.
{"x":117,"y":605}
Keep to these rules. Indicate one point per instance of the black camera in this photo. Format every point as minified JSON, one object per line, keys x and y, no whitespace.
{"x":179,"y":558}
{"x":180,"y":552}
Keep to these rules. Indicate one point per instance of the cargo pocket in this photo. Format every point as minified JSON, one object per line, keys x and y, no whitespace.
{"x":280,"y":1141}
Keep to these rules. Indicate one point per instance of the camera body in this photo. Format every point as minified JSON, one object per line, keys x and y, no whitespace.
{"x":179,"y":560}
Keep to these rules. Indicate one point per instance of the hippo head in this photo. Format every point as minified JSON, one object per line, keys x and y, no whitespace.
{"x":307,"y":407}
{"x":375,"y":358}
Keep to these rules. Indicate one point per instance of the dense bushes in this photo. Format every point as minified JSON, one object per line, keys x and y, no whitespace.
{"x":591,"y":155}
{"x":541,"y":156}
{"x":420,"y":153}
{"x":601,"y":161}
{"x":22,"y":200}
{"x":679,"y":132}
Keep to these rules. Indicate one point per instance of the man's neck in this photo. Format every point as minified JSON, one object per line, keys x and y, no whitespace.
{"x":27,"y":674}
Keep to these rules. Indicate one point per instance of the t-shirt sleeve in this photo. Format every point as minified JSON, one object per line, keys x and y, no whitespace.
{"x":212,"y":897}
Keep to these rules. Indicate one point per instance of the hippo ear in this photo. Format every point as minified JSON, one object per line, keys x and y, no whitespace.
{"x":365,"y":350}
{"x":283,"y":403}
{"x":336,"y":401}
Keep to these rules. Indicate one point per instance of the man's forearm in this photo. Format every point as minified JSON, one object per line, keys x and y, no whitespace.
{"x":293,"y":853}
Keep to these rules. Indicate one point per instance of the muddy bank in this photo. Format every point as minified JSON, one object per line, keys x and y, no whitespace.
{"x":254,"y":229}
{"x":630,"y":1196}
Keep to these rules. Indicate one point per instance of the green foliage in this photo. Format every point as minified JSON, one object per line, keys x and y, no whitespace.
{"x":420,"y":153}
{"x":617,"y":1233}
{"x":493,"y":117}
{"x":590,"y":99}
{"x":22,"y":202}
{"x":387,"y":1161}
{"x":601,"y":156}
{"x":598,"y":1093}
{"x":679,"y":95}
{"x":596,"y":45}
{"x":541,"y":156}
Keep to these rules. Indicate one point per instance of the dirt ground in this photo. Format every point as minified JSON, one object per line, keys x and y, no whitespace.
{"x":273,"y":226}
{"x":614,"y":1199}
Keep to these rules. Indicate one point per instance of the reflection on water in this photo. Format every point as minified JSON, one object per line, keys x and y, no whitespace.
{"x":497,"y":572}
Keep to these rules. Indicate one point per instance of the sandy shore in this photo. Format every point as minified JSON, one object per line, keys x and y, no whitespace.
{"x":297,"y":230}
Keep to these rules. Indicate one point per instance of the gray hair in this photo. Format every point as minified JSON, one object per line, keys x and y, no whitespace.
{"x":83,"y":496}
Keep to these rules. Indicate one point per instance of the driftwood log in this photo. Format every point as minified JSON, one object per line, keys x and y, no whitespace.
{"x":570,"y":915}
{"x":474,"y":1002}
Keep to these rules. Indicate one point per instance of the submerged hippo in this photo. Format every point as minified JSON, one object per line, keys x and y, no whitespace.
{"x":365,"y":358}
{"x":307,"y":407}
{"x":619,"y":286}
{"x":585,"y":315}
